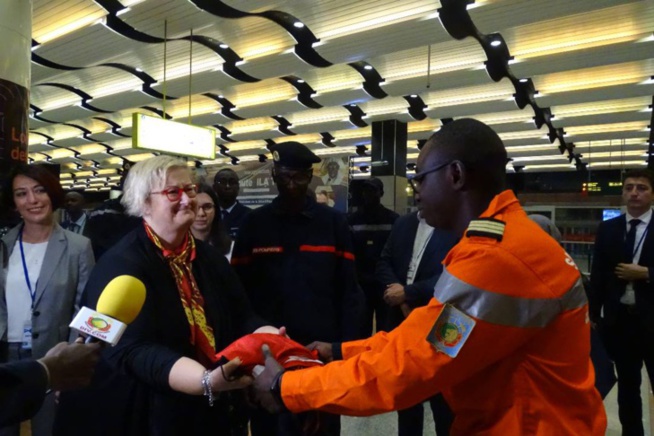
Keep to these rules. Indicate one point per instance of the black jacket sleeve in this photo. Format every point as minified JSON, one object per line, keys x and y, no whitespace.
{"x":597,"y":291}
{"x":385,"y":271}
{"x":22,"y":390}
{"x":419,"y":293}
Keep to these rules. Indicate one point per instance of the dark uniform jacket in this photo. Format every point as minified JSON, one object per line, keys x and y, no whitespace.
{"x":107,"y":224}
{"x":299,"y":271}
{"x":130,"y":393}
{"x":234,"y":219}
{"x":370,"y":230}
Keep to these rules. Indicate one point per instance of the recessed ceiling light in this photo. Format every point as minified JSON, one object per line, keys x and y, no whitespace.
{"x":496,"y":43}
{"x":414,"y":95}
{"x":139,"y":70}
{"x":523,"y":80}
{"x":353,"y":105}
{"x":300,"y":81}
{"x":298,"y":24}
{"x":223,"y":46}
{"x":368,"y":67}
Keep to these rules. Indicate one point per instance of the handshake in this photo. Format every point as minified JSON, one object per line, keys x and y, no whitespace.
{"x":259,"y":361}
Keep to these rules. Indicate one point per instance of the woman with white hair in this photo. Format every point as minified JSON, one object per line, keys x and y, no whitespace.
{"x":159,"y":378}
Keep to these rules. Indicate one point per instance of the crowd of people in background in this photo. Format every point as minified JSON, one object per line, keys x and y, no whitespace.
{"x":322,"y":275}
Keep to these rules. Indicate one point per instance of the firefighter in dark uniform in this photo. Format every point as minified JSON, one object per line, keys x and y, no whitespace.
{"x":370,"y":226}
{"x":295,"y":259}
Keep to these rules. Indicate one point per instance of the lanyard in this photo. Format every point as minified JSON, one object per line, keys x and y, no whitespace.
{"x":640,"y":241}
{"x":27,"y":277}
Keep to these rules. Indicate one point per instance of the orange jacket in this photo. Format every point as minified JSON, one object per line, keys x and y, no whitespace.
{"x":524,"y":366}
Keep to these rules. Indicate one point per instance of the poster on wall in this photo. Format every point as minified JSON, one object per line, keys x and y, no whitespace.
{"x":14,"y":106}
{"x":329,"y":182}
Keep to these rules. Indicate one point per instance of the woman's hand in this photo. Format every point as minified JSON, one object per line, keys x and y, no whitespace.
{"x":222,"y":377}
{"x":273,"y":330}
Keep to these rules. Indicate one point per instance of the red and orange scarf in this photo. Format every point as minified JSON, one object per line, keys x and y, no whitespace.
{"x":180,"y":264}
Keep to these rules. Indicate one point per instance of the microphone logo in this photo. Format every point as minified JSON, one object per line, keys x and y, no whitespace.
{"x":99,"y":324}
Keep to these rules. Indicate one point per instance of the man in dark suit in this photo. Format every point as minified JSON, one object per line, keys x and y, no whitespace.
{"x":371,"y":225}
{"x":409,"y":267}
{"x":232,"y":213}
{"x":622,"y":298}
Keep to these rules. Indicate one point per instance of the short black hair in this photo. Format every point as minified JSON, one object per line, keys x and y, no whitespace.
{"x":44,"y":175}
{"x":477,"y":146}
{"x":641,"y":173}
{"x":215,"y":177}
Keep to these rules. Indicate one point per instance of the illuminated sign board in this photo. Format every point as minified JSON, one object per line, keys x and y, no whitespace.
{"x":164,"y":136}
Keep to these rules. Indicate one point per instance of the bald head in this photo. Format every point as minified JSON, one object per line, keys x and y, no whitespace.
{"x":477,"y":146}
{"x":74,"y":204}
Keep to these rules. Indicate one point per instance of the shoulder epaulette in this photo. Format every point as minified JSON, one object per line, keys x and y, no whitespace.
{"x":486,"y":228}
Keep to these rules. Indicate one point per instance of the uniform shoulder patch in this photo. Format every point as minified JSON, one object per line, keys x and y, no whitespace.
{"x":487,"y":228}
{"x":450,"y":331}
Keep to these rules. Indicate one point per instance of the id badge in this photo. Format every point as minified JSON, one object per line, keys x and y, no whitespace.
{"x":27,"y":337}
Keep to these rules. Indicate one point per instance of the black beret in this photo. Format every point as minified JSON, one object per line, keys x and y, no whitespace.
{"x":375,"y":183}
{"x":293,"y":155}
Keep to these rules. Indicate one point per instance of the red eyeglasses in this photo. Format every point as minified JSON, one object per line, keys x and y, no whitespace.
{"x":175,"y":193}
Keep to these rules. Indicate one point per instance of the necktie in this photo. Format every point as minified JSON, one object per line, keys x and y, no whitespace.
{"x":630,"y":240}
{"x":225,"y":214}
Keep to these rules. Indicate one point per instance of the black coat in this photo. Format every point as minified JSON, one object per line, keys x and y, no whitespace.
{"x":298,"y":271}
{"x":22,"y":390}
{"x":370,"y":230}
{"x":393,"y":266}
{"x":130,"y":393}
{"x":607,"y":289}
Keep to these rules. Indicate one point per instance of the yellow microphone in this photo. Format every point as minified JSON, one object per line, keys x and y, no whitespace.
{"x":118,"y":305}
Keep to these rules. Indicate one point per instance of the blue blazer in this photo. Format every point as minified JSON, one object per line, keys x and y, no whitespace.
{"x":606,"y":288}
{"x":393,"y":265}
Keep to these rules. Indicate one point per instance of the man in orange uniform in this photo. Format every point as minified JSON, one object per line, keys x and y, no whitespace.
{"x":506,"y":336}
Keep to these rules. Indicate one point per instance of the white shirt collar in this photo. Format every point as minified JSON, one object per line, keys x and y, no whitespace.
{"x":644,"y":218}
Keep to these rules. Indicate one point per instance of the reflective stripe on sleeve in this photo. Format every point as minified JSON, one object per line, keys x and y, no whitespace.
{"x":371,"y":227}
{"x":505,"y":309}
{"x":327,"y":249}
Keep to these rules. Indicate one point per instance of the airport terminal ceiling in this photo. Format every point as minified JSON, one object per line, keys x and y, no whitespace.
{"x":566,"y":84}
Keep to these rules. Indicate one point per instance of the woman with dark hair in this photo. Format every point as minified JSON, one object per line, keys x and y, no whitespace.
{"x":208,"y":226}
{"x":46,"y":271}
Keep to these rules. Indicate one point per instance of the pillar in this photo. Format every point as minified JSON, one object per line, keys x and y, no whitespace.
{"x":15,"y":55}
{"x":388,"y":145}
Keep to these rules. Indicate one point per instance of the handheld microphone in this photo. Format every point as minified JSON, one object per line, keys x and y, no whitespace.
{"x":118,"y":305}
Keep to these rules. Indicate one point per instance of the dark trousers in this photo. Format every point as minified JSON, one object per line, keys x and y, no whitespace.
{"x":630,"y":345}
{"x":375,"y":307}
{"x":314,"y":423}
{"x":409,"y":421}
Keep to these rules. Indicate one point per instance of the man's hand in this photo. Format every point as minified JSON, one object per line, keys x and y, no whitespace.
{"x":325,"y":351}
{"x":631,"y":272}
{"x":222,"y":380}
{"x":71,"y":366}
{"x":394,"y":294}
{"x":267,"y":383}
